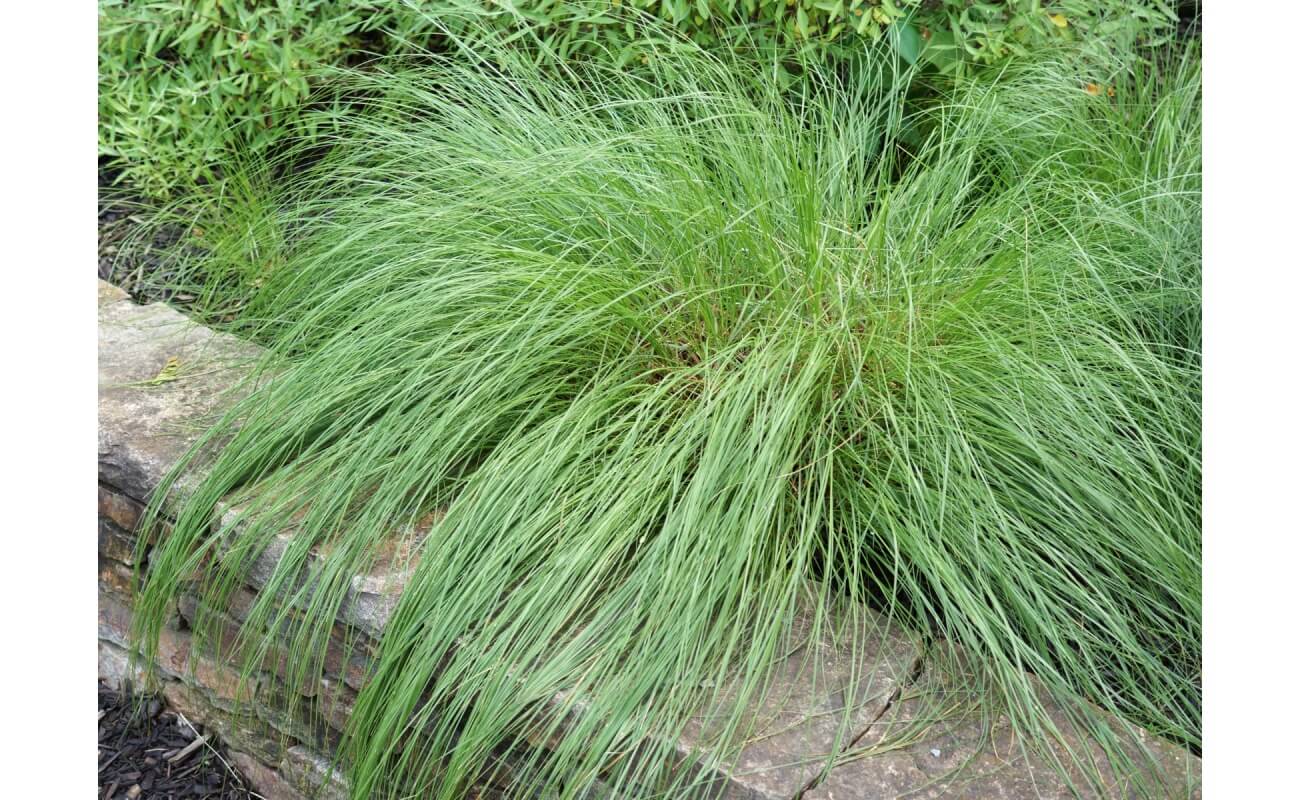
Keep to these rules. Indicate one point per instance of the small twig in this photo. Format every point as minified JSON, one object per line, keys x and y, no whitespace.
{"x":233,"y":773}
{"x":202,"y":740}
{"x":102,"y":712}
{"x":186,"y":750}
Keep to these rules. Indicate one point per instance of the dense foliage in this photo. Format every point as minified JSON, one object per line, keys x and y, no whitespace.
{"x":184,"y":82}
{"x":185,"y":85}
{"x":951,"y":35}
{"x":656,"y":360}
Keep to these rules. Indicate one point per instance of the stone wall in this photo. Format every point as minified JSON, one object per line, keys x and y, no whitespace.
{"x":145,"y":425}
{"x":149,"y":416}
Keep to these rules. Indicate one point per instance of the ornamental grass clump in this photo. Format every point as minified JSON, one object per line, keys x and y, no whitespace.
{"x":652,"y":360}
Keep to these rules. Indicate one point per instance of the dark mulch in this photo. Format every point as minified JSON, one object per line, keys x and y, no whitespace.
{"x":130,"y":250}
{"x":1189,"y":18}
{"x":146,"y":751}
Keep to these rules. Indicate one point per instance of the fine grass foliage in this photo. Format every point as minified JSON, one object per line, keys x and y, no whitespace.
{"x":638,"y":365}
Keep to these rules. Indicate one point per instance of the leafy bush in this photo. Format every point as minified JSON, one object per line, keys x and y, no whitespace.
{"x":951,"y":35}
{"x":184,"y":83}
{"x":661,"y":360}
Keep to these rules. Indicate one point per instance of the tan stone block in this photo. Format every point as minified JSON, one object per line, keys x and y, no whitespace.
{"x":223,"y":682}
{"x":115,"y":577}
{"x":263,"y":779}
{"x":115,"y":666}
{"x":336,"y":702}
{"x":314,"y":774}
{"x":114,"y":619}
{"x":174,"y":651}
{"x":115,"y":544}
{"x":122,"y":510}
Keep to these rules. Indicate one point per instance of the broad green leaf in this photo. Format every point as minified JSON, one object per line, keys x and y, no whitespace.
{"x":907,"y":41}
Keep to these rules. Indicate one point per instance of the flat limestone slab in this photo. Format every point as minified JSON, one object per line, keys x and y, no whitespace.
{"x":965,"y":756}
{"x":791,"y":730}
{"x":162,"y":379}
{"x":798,"y":723}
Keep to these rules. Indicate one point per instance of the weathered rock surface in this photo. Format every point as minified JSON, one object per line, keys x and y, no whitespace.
{"x":798,"y":723}
{"x":162,"y":379}
{"x":969,"y":755}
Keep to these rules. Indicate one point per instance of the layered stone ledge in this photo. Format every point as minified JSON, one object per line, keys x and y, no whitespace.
{"x":163,"y":379}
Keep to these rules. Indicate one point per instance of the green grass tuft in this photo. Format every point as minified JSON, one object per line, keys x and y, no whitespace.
{"x":669,"y":350}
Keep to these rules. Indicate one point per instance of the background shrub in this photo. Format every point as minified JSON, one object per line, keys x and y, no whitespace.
{"x":951,"y":35}
{"x":183,"y":83}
